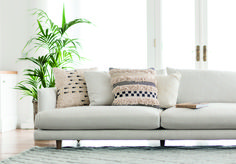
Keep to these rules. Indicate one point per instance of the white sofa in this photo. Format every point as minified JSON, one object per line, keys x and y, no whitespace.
{"x":217,"y":121}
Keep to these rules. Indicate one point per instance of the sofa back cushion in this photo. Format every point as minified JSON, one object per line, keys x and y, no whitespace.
{"x":206,"y":86}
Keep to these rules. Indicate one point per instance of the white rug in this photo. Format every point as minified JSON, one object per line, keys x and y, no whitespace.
{"x":142,"y":155}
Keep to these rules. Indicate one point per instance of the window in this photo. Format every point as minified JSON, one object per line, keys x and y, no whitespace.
{"x":178,"y":33}
{"x":222,"y":34}
{"x":120,"y":37}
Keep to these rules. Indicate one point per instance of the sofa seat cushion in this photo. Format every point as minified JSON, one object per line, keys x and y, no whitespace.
{"x":99,"y":117}
{"x":215,"y":116}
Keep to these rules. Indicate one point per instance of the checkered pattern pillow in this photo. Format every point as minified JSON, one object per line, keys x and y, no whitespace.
{"x":135,"y":94}
{"x":134,"y":87}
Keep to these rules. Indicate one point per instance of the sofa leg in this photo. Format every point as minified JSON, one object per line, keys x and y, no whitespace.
{"x":162,"y":142}
{"x":59,"y":143}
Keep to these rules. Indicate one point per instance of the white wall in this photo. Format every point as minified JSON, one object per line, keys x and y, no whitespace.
{"x":14,"y":33}
{"x":16,"y":27}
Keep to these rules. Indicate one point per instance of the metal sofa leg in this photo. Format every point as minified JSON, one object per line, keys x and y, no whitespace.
{"x":162,"y":142}
{"x":59,"y":143}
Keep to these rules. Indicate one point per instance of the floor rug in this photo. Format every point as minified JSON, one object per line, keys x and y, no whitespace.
{"x":133,"y":155}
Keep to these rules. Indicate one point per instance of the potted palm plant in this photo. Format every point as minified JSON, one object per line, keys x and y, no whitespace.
{"x":57,"y":48}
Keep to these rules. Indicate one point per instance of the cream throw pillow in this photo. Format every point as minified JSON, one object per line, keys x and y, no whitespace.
{"x":99,"y":88}
{"x":71,"y":87}
{"x":168,"y":87}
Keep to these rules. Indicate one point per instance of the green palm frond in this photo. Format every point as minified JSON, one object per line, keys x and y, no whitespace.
{"x":58,"y":52}
{"x":63,"y":16}
{"x":28,"y":87}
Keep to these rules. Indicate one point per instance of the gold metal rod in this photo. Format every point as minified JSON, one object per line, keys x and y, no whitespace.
{"x":197,"y":53}
{"x":205,"y":53}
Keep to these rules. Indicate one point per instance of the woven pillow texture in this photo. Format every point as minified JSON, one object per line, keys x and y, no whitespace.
{"x":134,"y":87}
{"x":71,"y":87}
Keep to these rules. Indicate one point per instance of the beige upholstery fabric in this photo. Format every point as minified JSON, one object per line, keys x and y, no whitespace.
{"x":134,"y":87}
{"x":71,"y":87}
{"x":168,"y":87}
{"x":159,"y":134}
{"x":100,"y":117}
{"x":210,"y":86}
{"x":99,"y":88}
{"x":46,"y":99}
{"x":215,"y":116}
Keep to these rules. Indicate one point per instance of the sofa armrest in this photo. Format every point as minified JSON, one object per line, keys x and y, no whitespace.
{"x":46,"y":99}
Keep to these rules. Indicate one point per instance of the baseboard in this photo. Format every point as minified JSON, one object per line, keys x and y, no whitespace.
{"x":26,"y":126}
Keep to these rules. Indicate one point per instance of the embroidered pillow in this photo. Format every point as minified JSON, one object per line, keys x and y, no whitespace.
{"x":134,"y":87}
{"x":71,"y":87}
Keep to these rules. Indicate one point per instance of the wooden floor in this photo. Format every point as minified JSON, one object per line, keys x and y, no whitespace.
{"x":17,"y":141}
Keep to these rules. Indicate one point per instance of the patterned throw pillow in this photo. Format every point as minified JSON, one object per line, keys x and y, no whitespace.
{"x":71,"y":87}
{"x":134,"y":87}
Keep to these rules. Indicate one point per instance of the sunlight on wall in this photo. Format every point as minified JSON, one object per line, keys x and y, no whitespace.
{"x":118,"y":36}
{"x":54,"y":10}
